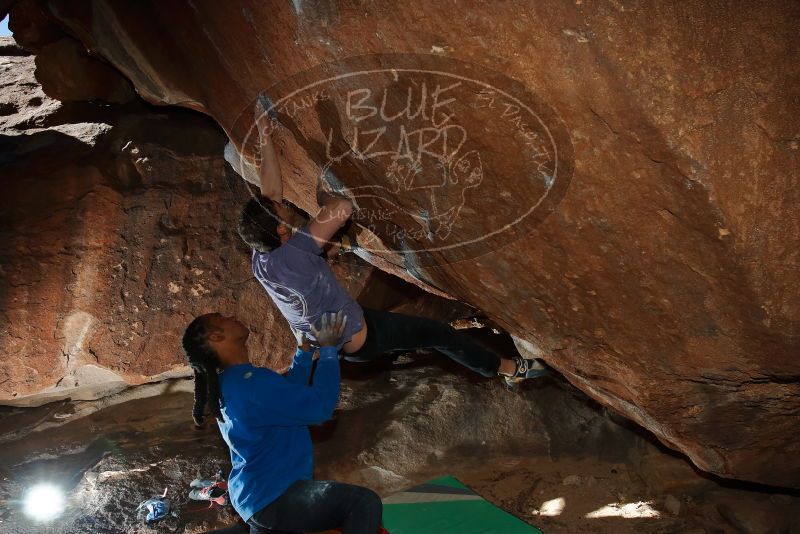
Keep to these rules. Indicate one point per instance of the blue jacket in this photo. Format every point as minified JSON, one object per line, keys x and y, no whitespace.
{"x":266,"y":418}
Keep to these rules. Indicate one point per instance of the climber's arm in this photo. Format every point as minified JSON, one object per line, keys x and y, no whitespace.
{"x":333,"y":215}
{"x":269,"y":170}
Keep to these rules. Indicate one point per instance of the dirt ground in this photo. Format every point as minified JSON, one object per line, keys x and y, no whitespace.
{"x":542,"y":452}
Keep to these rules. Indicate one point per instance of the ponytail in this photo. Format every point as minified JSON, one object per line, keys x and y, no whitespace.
{"x":205,"y":364}
{"x":214,"y":398}
{"x":200,"y":396}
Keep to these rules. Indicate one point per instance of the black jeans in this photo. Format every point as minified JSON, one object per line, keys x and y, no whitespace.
{"x":387,"y":331}
{"x":319,"y":505}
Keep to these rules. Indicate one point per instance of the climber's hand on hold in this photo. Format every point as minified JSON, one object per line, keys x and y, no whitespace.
{"x":265,"y":127}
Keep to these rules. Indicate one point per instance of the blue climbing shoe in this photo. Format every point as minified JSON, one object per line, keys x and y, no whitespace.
{"x":157,"y":509}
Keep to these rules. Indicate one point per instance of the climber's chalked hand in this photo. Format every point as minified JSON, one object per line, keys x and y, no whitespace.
{"x":331,"y":329}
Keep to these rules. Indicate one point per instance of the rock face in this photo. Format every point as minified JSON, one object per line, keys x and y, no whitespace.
{"x":622,"y":199}
{"x":117,"y":228}
{"x":68,"y":74}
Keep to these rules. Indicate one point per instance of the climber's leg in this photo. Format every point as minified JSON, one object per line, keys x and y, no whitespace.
{"x":318,"y":505}
{"x":387,"y":332}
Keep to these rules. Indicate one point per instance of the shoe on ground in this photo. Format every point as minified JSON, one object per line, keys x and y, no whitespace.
{"x":216,"y":492}
{"x":202,"y":482}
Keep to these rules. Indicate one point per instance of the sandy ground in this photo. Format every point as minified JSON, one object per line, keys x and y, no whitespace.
{"x":543,"y":453}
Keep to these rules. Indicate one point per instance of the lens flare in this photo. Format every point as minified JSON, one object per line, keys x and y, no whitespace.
{"x":44,"y":502}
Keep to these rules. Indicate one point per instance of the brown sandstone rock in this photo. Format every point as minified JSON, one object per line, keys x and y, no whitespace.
{"x":113,"y":237}
{"x":33,"y":25}
{"x":68,"y":73}
{"x":4,"y":7}
{"x":664,"y":281}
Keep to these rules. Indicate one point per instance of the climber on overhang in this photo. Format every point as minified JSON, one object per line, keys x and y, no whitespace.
{"x":264,"y":418}
{"x":289,"y":266}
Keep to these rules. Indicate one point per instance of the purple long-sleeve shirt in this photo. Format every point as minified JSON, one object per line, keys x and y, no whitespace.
{"x":303,"y":287}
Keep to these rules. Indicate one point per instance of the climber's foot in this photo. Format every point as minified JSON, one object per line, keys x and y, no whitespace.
{"x":526,"y":368}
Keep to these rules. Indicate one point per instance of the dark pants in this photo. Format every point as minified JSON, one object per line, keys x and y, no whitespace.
{"x":387,"y":332}
{"x":319,"y":505}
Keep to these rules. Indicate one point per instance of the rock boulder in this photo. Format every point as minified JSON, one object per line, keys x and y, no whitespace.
{"x":115,"y":233}
{"x":613,"y":184}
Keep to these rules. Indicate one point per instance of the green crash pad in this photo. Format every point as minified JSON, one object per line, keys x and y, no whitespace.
{"x":446,"y":506}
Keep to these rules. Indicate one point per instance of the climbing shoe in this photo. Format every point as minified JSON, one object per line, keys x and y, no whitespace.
{"x":214,"y":490}
{"x":526,"y":368}
{"x":156,"y":508}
